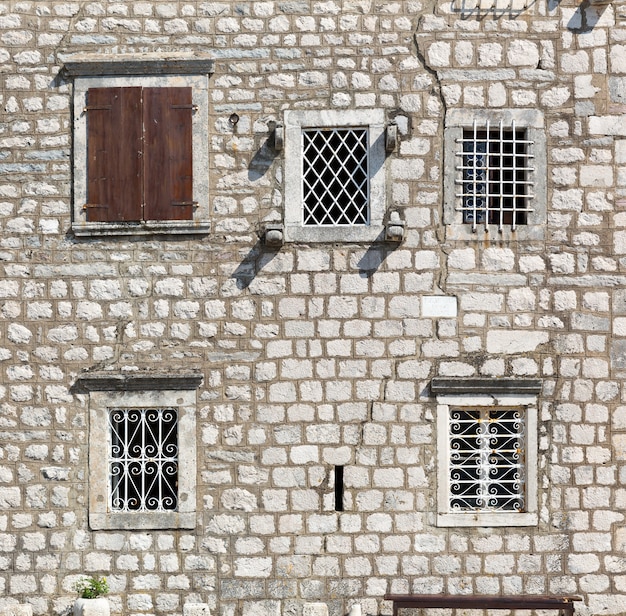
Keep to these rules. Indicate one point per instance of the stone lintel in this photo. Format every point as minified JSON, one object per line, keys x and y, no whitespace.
{"x":98,"y":381}
{"x":440,"y":385}
{"x":175,"y":64}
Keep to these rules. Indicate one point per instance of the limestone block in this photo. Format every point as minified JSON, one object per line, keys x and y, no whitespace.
{"x":261,"y":608}
{"x":523,"y":53}
{"x":511,"y":341}
{"x":439,"y":54}
{"x":23,"y":609}
{"x":315,"y":609}
{"x":439,"y":306}
{"x":196,"y":609}
{"x":596,"y":175}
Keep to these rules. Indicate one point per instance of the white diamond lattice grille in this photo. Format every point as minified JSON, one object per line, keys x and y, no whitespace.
{"x":335,"y":178}
{"x":143,"y":459}
{"x":487,"y":460}
{"x":496,"y":175}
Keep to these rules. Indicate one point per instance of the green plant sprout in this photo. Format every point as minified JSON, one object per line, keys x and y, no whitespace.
{"x":91,"y":587}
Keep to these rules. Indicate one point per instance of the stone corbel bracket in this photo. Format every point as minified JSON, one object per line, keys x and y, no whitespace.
{"x":391,"y":137}
{"x":274,"y":234}
{"x":279,"y":137}
{"x":394,"y":228}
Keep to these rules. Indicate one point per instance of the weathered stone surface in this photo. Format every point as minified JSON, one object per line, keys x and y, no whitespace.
{"x":512,"y":342}
{"x":320,"y":441}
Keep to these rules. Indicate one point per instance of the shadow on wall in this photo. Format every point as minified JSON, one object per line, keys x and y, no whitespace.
{"x":257,"y":258}
{"x":261,"y":254}
{"x":375,"y":256}
{"x":586,"y":16}
{"x":264,"y":156}
{"x":494,"y":9}
{"x":584,"y":19}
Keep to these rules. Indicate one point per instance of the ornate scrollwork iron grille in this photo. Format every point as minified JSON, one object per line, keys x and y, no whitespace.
{"x":335,"y":177}
{"x":496,"y":176}
{"x":487,"y":460}
{"x":143,"y":459}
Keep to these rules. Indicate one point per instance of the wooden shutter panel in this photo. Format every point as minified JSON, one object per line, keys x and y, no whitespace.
{"x":168,"y":182}
{"x":114,"y":164}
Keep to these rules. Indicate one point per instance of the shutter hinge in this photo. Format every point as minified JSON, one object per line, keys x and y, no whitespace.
{"x":90,"y":206}
{"x":89,"y":108}
{"x":184,"y":203}
{"x":192,"y":107}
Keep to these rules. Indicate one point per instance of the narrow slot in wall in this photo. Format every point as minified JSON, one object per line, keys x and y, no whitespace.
{"x":338,"y":488}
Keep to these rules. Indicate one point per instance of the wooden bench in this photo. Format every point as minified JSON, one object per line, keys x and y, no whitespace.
{"x":565,"y":605}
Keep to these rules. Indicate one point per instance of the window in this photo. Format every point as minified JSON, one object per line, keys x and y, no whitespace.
{"x":143,"y":459}
{"x":496,"y":166}
{"x":142,"y":451}
{"x":486,"y":470}
{"x":495,"y":174}
{"x":487,"y":453}
{"x":335,"y":179}
{"x":140,"y":148}
{"x":139,"y":154}
{"x":334,"y":175}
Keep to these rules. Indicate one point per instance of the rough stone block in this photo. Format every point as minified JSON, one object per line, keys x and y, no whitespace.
{"x":24,"y":609}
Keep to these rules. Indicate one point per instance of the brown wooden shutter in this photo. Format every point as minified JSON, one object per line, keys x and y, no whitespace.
{"x":114,"y":161}
{"x":168,"y":184}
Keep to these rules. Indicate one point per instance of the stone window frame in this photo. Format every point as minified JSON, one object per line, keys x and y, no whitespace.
{"x":114,"y":391}
{"x":486,"y":393}
{"x":150,"y":72}
{"x":533,"y":121}
{"x":294,"y":123}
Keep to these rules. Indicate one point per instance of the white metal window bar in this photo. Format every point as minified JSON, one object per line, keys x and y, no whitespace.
{"x":496,"y":176}
{"x":487,"y":460}
{"x":143,"y":459}
{"x":335,"y":177}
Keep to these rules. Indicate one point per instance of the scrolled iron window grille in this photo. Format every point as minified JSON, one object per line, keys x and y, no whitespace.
{"x":335,"y":178}
{"x":487,"y":460}
{"x":496,"y":177}
{"x":143,"y":459}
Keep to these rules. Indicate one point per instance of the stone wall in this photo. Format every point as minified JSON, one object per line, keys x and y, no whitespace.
{"x":320,"y":355}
